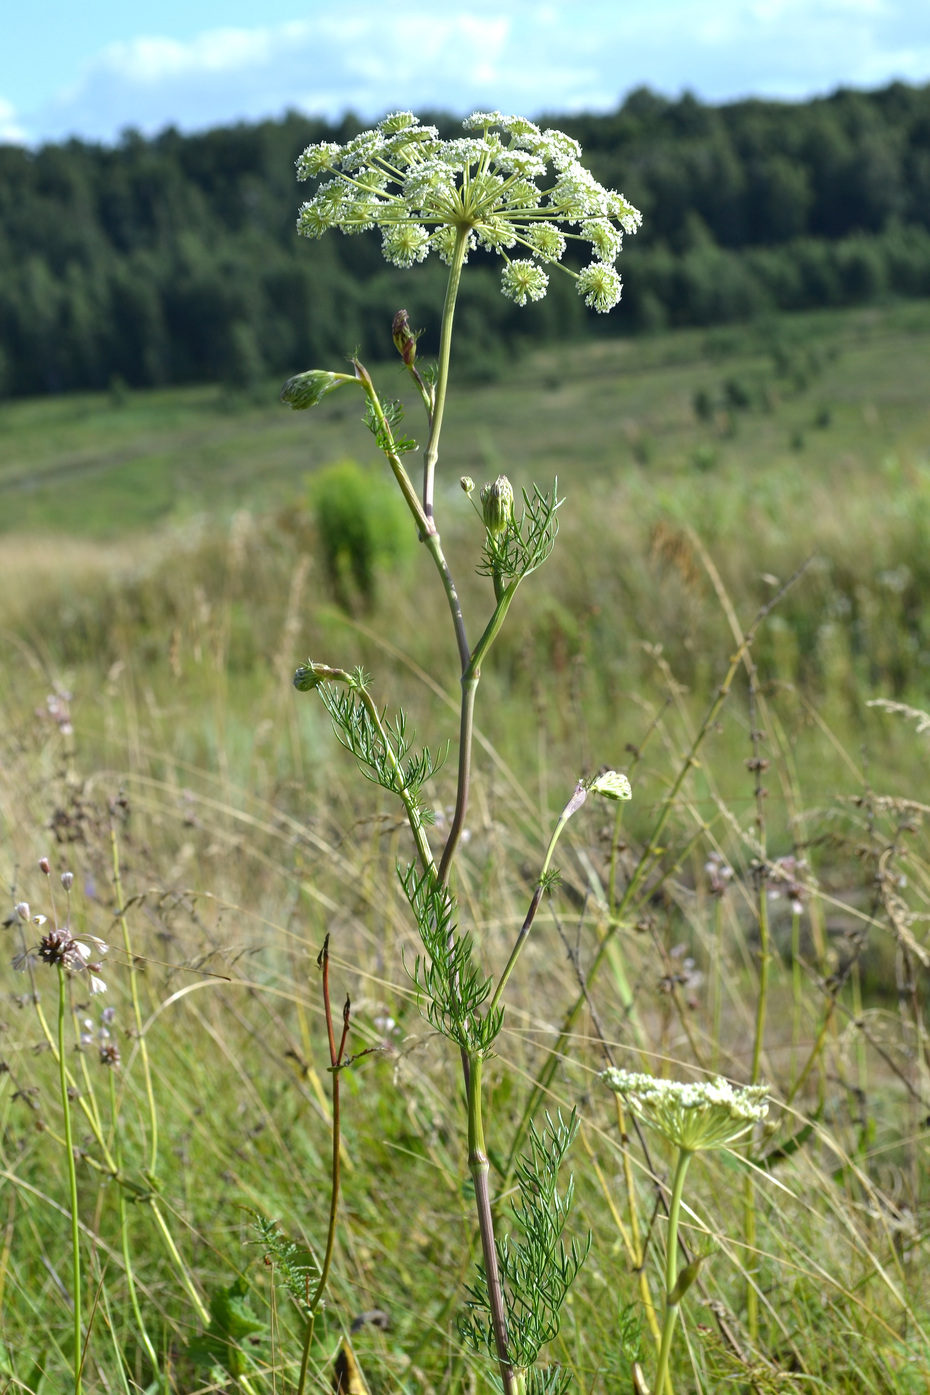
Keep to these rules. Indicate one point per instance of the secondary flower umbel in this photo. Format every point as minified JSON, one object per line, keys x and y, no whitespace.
{"x":506,"y":185}
{"x":712,"y":1114}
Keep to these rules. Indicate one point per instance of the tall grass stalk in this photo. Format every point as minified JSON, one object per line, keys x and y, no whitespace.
{"x":76,"y":1281}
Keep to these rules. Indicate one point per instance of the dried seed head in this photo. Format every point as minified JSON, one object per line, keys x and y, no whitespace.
{"x":57,"y":947}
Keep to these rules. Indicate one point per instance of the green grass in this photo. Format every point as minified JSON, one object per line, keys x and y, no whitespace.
{"x":161,"y":563}
{"x":93,"y":466}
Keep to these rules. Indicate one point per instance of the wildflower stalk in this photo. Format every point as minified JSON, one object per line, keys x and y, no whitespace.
{"x":425,"y":194}
{"x":124,"y":1235}
{"x":72,"y":1186}
{"x":758,"y":765}
{"x":573,"y":805}
{"x":692,"y":1118}
{"x":336,"y":1062}
{"x":672,"y":1296}
{"x":716,"y":983}
{"x":796,"y":991}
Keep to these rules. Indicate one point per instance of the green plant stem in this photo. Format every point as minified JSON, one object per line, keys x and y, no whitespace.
{"x":435,"y":549}
{"x":110,"y":1166}
{"x":795,"y":992}
{"x":471,"y":676}
{"x":765,"y":960}
{"x":335,"y":1056}
{"x":72,"y":1185}
{"x":671,"y":1270}
{"x":749,"y":1185}
{"x":463,"y":783}
{"x":411,"y":497}
{"x":203,"y":1311}
{"x":479,"y":1166}
{"x":431,"y":454}
{"x":716,"y":983}
{"x":124,"y":1235}
{"x":571,"y":807}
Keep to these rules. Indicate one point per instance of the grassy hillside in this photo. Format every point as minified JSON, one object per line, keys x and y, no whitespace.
{"x":791,"y":397}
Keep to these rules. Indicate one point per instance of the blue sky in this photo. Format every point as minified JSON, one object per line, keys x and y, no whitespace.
{"x":93,"y":68}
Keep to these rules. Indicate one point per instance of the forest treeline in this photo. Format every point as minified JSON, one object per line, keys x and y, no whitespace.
{"x":175,"y":259}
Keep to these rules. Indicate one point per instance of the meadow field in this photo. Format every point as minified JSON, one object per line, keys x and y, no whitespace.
{"x":734,"y":615}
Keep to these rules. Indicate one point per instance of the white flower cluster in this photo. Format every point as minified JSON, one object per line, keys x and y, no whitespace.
{"x":694,"y":1117}
{"x":506,"y":185}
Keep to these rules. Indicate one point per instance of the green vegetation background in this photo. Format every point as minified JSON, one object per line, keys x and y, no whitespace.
{"x":173,"y":259}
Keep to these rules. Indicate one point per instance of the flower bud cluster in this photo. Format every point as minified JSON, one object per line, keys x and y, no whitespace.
{"x":497,"y":505}
{"x":506,"y":185}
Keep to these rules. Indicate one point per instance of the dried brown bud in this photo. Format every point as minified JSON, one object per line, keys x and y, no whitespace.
{"x":405,"y":341}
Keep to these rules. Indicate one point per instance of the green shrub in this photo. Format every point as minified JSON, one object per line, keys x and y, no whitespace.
{"x":362,"y":525}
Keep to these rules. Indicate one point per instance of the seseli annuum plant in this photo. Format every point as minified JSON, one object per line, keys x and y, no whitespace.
{"x":513,"y":189}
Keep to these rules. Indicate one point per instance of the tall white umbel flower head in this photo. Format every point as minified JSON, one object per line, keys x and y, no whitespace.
{"x":506,"y":186}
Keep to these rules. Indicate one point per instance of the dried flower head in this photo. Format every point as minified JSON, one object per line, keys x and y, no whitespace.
{"x":505,"y":185}
{"x":695,"y":1118}
{"x":60,"y":948}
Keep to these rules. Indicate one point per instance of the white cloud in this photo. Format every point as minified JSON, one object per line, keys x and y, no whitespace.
{"x":11,"y":132}
{"x":150,"y":60}
{"x":533,"y":57}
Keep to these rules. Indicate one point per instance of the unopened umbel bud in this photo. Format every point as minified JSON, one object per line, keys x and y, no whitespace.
{"x":468,"y":485}
{"x":44,"y":865}
{"x":405,"y":341}
{"x":67,"y":880}
{"x":497,"y":505}
{"x":308,"y":389}
{"x":611,"y":784}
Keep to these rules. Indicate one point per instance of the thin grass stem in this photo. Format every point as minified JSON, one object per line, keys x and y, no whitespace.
{"x":72,"y":1186}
